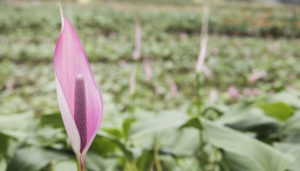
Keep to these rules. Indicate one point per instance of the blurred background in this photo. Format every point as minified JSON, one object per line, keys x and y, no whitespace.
{"x":249,"y":85}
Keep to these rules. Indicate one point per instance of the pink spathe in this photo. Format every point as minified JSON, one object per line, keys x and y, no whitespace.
{"x":138,"y":41}
{"x":147,"y":68}
{"x":213,"y":96}
{"x":233,"y":92}
{"x":70,"y":62}
{"x":257,"y":75}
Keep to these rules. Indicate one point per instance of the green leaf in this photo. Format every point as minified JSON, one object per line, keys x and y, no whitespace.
{"x":115,"y":132}
{"x":64,"y":166}
{"x":288,"y":97}
{"x":3,"y":163}
{"x":194,"y":122}
{"x":293,"y":150}
{"x":156,"y":123}
{"x":3,"y":143}
{"x":278,"y":110}
{"x":54,"y":120}
{"x":243,"y":152}
{"x":34,"y":159}
{"x":162,"y":129}
{"x":100,"y":142}
{"x":17,"y":125}
{"x":95,"y":162}
{"x":292,"y":128}
{"x":126,"y":151}
{"x":245,"y":118}
{"x":127,"y":125}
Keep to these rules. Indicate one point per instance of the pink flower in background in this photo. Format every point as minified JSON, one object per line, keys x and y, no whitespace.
{"x":122,"y":63}
{"x":204,"y":39}
{"x":257,"y":75}
{"x":213,"y":95}
{"x":138,"y":41}
{"x":79,"y":99}
{"x":233,"y":92}
{"x":207,"y":72}
{"x":251,"y":91}
{"x":174,"y":89}
{"x":147,"y":68}
{"x":215,"y":51}
{"x":292,"y":77}
{"x":10,"y":86}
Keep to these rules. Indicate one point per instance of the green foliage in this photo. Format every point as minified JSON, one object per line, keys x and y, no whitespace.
{"x":277,"y":110}
{"x":243,"y":152}
{"x":34,"y":159}
{"x":252,"y":132}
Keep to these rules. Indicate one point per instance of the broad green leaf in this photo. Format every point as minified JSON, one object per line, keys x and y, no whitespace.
{"x":145,"y":161}
{"x":64,"y":166}
{"x":246,"y":118}
{"x":94,"y":163}
{"x":16,"y":121}
{"x":127,"y":125}
{"x":162,"y":129}
{"x":54,"y":120}
{"x":186,"y":142}
{"x":126,"y":151}
{"x":3,"y":143}
{"x":293,"y":150}
{"x":243,"y":152}
{"x":150,"y":123}
{"x":34,"y":159}
{"x":17,"y":125}
{"x":292,"y":128}
{"x":288,"y":97}
{"x":100,"y":142}
{"x":3,"y":163}
{"x":278,"y":110}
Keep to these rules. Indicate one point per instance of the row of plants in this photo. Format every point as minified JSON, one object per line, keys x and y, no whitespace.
{"x":272,"y":22}
{"x":256,"y":135}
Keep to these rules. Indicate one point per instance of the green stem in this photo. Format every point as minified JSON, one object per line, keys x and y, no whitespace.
{"x":79,"y":166}
{"x":198,"y":94}
{"x":156,"y":158}
{"x":201,"y":138}
{"x":133,"y":95}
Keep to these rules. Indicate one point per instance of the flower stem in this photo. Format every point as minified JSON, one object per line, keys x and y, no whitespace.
{"x":201,"y":138}
{"x":198,"y":94}
{"x":156,"y":158}
{"x":80,"y":166}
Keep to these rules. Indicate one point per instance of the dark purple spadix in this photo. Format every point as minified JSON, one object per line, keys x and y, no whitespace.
{"x":80,"y":110}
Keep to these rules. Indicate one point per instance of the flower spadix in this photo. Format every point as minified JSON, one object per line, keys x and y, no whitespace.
{"x":80,"y":101}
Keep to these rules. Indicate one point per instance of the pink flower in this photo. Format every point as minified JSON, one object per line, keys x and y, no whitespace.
{"x":147,"y":68}
{"x":204,"y":39}
{"x":207,"y":72}
{"x":213,"y":95}
{"x":79,"y":99}
{"x":138,"y":41}
{"x":122,"y":63}
{"x":174,"y":89}
{"x":233,"y":92}
{"x":257,"y":75}
{"x":251,"y":91}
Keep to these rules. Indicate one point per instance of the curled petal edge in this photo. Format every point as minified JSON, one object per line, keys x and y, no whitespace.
{"x":68,"y":120}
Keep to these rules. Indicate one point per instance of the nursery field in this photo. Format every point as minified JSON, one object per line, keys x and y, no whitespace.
{"x":241,"y":114}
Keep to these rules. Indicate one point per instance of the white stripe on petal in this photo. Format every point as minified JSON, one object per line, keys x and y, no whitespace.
{"x":68,"y":119}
